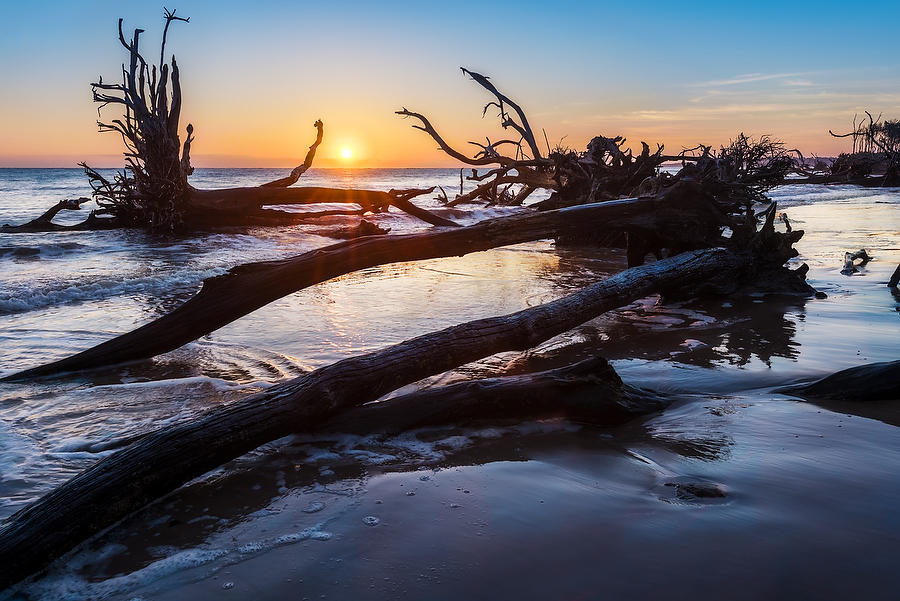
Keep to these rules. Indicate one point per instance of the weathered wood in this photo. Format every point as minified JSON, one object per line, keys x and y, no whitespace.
{"x":682,"y":211}
{"x":301,"y":169}
{"x":873,"y":382}
{"x":589,"y":391}
{"x":167,"y":458}
{"x":895,"y":278}
{"x":44,"y":223}
{"x":235,"y":205}
{"x":850,"y":258}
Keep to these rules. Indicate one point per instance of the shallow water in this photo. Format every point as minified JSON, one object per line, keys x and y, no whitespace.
{"x":537,"y":510}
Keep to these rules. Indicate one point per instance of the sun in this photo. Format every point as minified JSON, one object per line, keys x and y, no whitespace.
{"x":346,"y":153}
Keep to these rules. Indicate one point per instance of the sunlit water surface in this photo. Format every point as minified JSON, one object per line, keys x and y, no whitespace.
{"x":530,"y":511}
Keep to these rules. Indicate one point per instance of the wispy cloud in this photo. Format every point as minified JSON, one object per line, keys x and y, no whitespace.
{"x":746,"y":78}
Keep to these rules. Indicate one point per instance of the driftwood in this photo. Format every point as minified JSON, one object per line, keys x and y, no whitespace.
{"x":165,"y":459}
{"x":850,"y":258}
{"x":683,"y":215}
{"x":895,"y":278}
{"x":361,"y":229}
{"x":153,"y":192}
{"x":875,"y":157}
{"x":606,"y":171}
{"x":873,"y":382}
{"x":44,"y":223}
{"x":589,"y":391}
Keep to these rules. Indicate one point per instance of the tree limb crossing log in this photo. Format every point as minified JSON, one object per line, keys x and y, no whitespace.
{"x":165,"y":459}
{"x":589,"y":391}
{"x":248,"y":287}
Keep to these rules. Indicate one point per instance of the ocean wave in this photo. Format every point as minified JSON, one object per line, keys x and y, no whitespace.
{"x":804,"y":193}
{"x":41,"y":250}
{"x":24,"y":296}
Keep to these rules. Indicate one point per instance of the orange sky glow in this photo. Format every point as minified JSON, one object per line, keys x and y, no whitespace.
{"x":254,"y":86}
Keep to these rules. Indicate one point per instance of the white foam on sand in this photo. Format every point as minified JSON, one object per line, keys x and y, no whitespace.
{"x":63,"y":583}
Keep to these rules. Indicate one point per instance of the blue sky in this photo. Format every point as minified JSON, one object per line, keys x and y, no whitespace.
{"x":257,"y":74}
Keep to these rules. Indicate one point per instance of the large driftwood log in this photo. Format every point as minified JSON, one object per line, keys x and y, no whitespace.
{"x":683,"y":214}
{"x":589,"y":391}
{"x":165,"y":459}
{"x":873,"y":382}
{"x":237,"y":206}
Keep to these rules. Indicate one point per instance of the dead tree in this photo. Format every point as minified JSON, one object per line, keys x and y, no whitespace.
{"x":875,"y":156}
{"x":165,"y":459}
{"x":153,"y":191}
{"x":606,"y":171}
{"x":681,"y":218}
{"x":511,"y":179}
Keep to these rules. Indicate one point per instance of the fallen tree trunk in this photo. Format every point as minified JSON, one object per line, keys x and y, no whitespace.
{"x":240,"y":206}
{"x":589,"y":391}
{"x":683,"y":213}
{"x":873,"y":382}
{"x":167,"y":458}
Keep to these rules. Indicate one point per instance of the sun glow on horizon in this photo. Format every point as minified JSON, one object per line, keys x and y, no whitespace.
{"x":346,"y":153}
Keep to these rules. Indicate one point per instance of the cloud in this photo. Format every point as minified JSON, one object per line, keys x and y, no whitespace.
{"x":746,"y":78}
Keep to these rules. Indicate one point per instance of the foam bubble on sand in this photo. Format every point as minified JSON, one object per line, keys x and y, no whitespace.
{"x":410,"y":447}
{"x":313,"y":533}
{"x":314,"y":507}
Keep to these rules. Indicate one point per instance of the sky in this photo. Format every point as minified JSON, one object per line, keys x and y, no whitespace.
{"x":256,"y":75}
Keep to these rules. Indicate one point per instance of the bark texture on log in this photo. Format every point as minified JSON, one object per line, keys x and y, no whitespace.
{"x":687,"y":216}
{"x":165,"y":459}
{"x":589,"y":391}
{"x":235,"y":206}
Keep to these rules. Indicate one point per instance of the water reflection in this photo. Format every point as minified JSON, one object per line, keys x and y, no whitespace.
{"x":703,"y":333}
{"x":749,"y":328}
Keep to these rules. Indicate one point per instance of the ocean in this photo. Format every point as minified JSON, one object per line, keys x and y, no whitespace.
{"x":545,"y":509}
